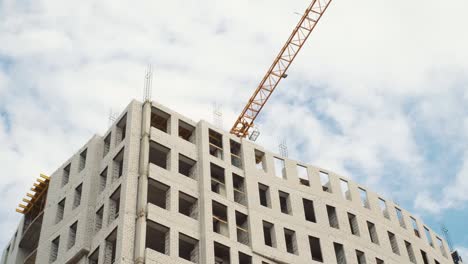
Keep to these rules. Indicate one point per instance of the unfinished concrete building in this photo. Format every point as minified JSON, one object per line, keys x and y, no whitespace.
{"x":160,"y":188}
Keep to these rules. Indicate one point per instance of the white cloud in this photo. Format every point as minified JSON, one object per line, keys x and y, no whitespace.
{"x":373,"y":74}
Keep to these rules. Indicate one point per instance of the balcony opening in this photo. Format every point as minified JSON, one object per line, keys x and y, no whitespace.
{"x":66,"y":175}
{"x":315,"y":249}
{"x":221,"y":254}
{"x":361,"y":257}
{"x":114,"y":205}
{"x":364,"y":198}
{"x":415,"y":227}
{"x":159,"y":155}
{"x":111,"y":247}
{"x":280,"y":169}
{"x":325,"y":181}
{"x":242,"y":226}
{"x":345,"y":189}
{"x":236,"y":159}
{"x":72,"y":234}
{"x":220,"y":220}
{"x":244,"y":258}
{"x":218,"y":183}
{"x":383,"y":208}
{"x":157,"y":237}
{"x":102,"y":180}
{"x":60,"y":210}
{"x":216,"y":144}
{"x":264,"y":193}
{"x":159,"y":194}
{"x":98,"y":219}
{"x":77,"y":197}
{"x":428,"y":237}
{"x":353,"y":224}
{"x":372,"y":233}
{"x":107,"y":144}
{"x":121,"y":130}
{"x":188,"y":205}
{"x":309,"y":211}
{"x":188,"y":248}
{"x":94,"y":257}
{"x":339,"y":253}
{"x":393,"y":243}
{"x":186,"y":131}
{"x":54,"y":249}
{"x":399,"y":214}
{"x":187,"y":166}
{"x":332,"y":217}
{"x":290,"y":239}
{"x":260,"y":160}
{"x":82,"y":163}
{"x":303,"y":175}
{"x":285,"y":203}
{"x":409,"y":250}
{"x":118,"y":164}
{"x":160,"y":120}
{"x":239,"y":189}
{"x":269,"y":234}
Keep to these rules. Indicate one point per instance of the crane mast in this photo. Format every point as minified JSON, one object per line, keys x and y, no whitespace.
{"x":280,"y":65}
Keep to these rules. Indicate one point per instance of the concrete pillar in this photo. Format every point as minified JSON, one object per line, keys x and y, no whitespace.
{"x":140,"y":232}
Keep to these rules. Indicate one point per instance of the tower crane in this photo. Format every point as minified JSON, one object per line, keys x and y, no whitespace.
{"x":278,"y":69}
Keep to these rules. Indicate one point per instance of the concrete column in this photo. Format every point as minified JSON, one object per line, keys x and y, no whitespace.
{"x":140,"y":230}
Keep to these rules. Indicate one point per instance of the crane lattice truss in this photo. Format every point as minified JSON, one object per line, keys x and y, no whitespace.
{"x":279,"y":67}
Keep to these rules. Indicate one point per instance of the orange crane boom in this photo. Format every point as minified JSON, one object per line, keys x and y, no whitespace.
{"x":279,"y":67}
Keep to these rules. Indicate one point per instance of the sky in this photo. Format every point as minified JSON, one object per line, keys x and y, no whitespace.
{"x":378,"y":93}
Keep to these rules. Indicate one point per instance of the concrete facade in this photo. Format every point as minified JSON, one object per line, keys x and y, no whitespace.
{"x":210,"y":197}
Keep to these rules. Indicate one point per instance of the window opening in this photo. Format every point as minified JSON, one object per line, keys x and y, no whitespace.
{"x":410,"y":251}
{"x":216,"y":144}
{"x":188,"y":205}
{"x":353,"y":224}
{"x":285,"y":203}
{"x":54,"y":249}
{"x":260,"y":160}
{"x":345,"y":189}
{"x":107,"y":143}
{"x":102,"y":180}
{"x":220,"y":220}
{"x":99,"y":217}
{"x":332,"y":217}
{"x":221,"y":254}
{"x":361,"y":257}
{"x":159,"y":155}
{"x":264,"y":194}
{"x":325,"y":181}
{"x":309,"y":210}
{"x":82,"y":163}
{"x":290,"y":239}
{"x":121,"y":129}
{"x":383,"y":208}
{"x":239,"y":189}
{"x":415,"y":227}
{"x":242,"y":228}
{"x":280,"y":169}
{"x":315,"y":249}
{"x":188,"y":248}
{"x":393,"y":243}
{"x":187,"y":166}
{"x":364,"y":198}
{"x":428,"y":237}
{"x":118,"y":164}
{"x":77,"y":198}
{"x":303,"y":175}
{"x":114,"y":205}
{"x":400,"y":217}
{"x":269,"y":234}
{"x":157,"y":237}
{"x":186,"y":131}
{"x":372,"y":233}
{"x":60,"y":210}
{"x":160,"y":120}
{"x":236,"y":159}
{"x":339,"y":253}
{"x":159,"y":194}
{"x":66,"y":175}
{"x":72,"y":235}
{"x":218,"y":183}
